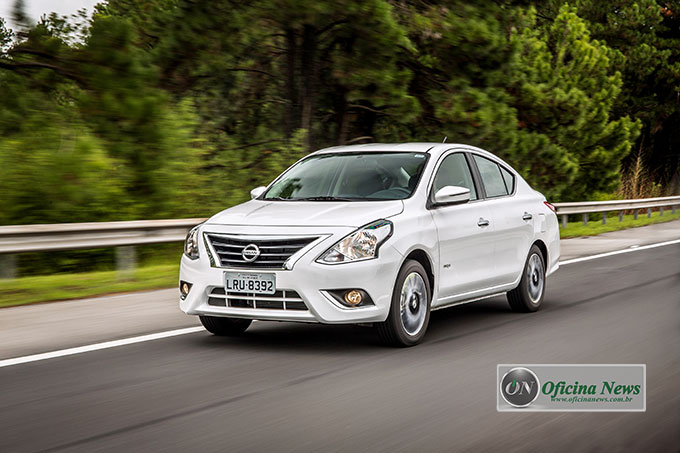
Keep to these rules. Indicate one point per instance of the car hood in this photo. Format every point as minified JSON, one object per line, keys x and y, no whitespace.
{"x":307,"y":213}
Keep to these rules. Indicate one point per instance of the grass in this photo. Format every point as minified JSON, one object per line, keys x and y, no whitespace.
{"x":594,"y":227}
{"x":152,"y":275}
{"x":27,"y":290}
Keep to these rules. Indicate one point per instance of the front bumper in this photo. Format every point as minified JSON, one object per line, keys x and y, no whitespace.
{"x":308,"y":279}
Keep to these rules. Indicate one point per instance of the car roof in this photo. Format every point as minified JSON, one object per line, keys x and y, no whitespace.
{"x":421,"y":147}
{"x":378,"y":147}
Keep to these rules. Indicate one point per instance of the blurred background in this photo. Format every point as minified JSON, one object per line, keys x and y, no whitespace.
{"x":149,"y":109}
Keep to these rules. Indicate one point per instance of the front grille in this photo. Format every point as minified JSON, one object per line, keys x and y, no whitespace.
{"x":273,"y":252}
{"x":281,"y":300}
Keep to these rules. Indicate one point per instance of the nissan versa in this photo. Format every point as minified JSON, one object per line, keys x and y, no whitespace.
{"x":378,"y":233}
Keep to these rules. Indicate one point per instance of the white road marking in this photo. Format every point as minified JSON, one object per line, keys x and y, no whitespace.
{"x":98,"y":346}
{"x":636,"y":248}
{"x":188,"y":330}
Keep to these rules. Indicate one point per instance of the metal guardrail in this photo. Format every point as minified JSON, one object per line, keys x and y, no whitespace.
{"x":604,"y":207}
{"x":125,"y":235}
{"x":72,"y":236}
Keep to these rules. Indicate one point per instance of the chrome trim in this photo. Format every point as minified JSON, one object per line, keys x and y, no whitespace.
{"x":286,"y":264}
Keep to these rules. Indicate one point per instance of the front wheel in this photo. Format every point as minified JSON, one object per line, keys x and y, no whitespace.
{"x":528,"y":295}
{"x":227,"y":327}
{"x":409,"y":314}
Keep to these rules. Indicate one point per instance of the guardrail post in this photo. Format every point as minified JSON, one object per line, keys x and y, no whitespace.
{"x":649,"y":213}
{"x":673,"y":209}
{"x":620,"y":216}
{"x":661,"y":211}
{"x":604,"y":218}
{"x":585,"y":219}
{"x":635,"y":214}
{"x":8,"y":266}
{"x":126,"y":261}
{"x":565,"y":220}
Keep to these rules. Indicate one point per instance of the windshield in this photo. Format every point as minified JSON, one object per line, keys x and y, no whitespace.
{"x":350,"y":176}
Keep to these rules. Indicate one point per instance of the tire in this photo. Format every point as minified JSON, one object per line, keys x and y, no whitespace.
{"x":226,"y":327}
{"x":409,"y":329}
{"x":528,"y":296}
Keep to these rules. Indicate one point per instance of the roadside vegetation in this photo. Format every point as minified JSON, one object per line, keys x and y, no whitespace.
{"x":155,"y":109}
{"x":595,"y":227}
{"x":57,"y":287}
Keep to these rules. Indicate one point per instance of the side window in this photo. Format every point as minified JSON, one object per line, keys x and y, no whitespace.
{"x":455,"y":171}
{"x":493,"y":181}
{"x":509,"y":179}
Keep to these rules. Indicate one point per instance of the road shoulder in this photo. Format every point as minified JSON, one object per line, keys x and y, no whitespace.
{"x":619,"y":240}
{"x":32,"y":329}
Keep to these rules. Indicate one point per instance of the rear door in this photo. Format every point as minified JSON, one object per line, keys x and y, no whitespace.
{"x":513,"y":222}
{"x":464,"y":232}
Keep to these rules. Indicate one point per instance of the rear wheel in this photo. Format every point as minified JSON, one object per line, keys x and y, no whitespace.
{"x":228,"y":327}
{"x":528,"y":295}
{"x":409,"y":314}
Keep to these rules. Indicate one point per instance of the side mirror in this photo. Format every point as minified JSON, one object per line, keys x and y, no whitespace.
{"x":257,"y":191}
{"x":452,"y":195}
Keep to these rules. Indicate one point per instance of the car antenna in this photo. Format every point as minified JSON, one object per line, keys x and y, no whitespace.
{"x":445,"y":137}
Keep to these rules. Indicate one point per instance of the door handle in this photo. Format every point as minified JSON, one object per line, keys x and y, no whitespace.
{"x":482,"y":222}
{"x":527,"y":216}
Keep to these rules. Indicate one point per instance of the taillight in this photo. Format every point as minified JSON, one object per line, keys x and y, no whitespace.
{"x":551,"y":207}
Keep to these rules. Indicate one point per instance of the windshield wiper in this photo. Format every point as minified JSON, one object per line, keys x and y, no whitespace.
{"x":321,"y":198}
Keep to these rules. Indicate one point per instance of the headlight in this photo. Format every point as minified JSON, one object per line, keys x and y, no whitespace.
{"x":191,"y":244}
{"x":363,"y":244}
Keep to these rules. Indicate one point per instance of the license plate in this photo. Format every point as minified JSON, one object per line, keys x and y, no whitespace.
{"x":239,"y":282}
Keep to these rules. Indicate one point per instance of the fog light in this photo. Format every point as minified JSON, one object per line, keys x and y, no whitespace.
{"x":353,"y":297}
{"x":184,"y":288}
{"x":350,"y":297}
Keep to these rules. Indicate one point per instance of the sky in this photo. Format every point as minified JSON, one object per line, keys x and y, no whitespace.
{"x":36,"y":8}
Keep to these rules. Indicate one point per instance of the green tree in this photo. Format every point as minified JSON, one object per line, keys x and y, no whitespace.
{"x":539,"y":97}
{"x":55,"y":170}
{"x":109,"y":85}
{"x":645,"y":36}
{"x":193,"y":103}
{"x":564,"y":87}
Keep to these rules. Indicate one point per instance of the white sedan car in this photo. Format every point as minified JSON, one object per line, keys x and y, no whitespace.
{"x":379,"y":234}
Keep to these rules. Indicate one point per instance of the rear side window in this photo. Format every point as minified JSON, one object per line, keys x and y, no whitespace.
{"x":509,"y":179}
{"x":493,"y":180}
{"x":455,"y":171}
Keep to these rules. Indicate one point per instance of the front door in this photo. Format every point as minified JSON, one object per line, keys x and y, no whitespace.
{"x":465,"y":234}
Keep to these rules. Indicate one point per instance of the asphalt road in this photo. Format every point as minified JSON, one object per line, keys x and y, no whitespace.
{"x":308,"y":387}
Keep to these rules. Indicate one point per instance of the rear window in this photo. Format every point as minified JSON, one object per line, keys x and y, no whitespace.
{"x":509,"y":179}
{"x":492,"y":178}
